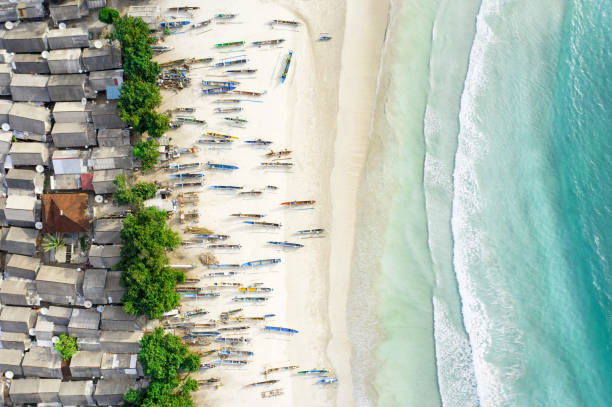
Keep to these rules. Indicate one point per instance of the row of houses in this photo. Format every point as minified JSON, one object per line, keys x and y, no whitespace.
{"x":59,"y":10}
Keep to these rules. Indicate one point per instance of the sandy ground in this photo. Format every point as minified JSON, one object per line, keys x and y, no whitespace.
{"x":322,"y":112}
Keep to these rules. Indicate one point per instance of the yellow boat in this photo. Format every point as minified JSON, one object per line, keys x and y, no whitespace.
{"x":219,"y":135}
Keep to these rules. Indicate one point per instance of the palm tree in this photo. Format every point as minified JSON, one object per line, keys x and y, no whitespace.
{"x":51,"y":242}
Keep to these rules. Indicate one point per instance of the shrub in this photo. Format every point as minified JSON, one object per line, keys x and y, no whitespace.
{"x":108,"y":15}
{"x":67,"y":346}
{"x":51,"y":242}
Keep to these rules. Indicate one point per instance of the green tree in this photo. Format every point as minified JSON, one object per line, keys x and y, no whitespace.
{"x":108,"y":15}
{"x":156,"y":124}
{"x":51,"y":242}
{"x":145,"y":190}
{"x":137,"y":99}
{"x":147,"y":152}
{"x":126,"y":195}
{"x":67,"y":346}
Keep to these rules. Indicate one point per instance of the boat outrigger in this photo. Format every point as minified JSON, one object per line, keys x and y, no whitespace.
{"x":286,"y":244}
{"x":248,"y":93}
{"x":231,"y":339}
{"x":251,"y":192}
{"x":278,"y":369}
{"x":223,"y":246}
{"x":286,"y":69}
{"x":214,"y":166}
{"x":298,"y":203}
{"x":237,"y":120}
{"x":192,"y":120}
{"x":225,"y":16}
{"x":182,"y":110}
{"x":228,"y":101}
{"x":313,"y":371}
{"x":212,"y":236}
{"x":215,"y":141}
{"x":183,"y":166}
{"x":186,"y":175}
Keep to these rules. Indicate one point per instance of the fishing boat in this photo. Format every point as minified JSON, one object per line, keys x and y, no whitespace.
{"x":191,"y":280}
{"x":280,"y":153}
{"x":201,"y":24}
{"x":198,"y":229}
{"x":268,"y":224}
{"x":237,"y":120}
{"x":174,"y":23}
{"x":219,"y":135}
{"x":324,"y":37}
{"x":298,"y":203}
{"x":328,"y":380}
{"x":286,"y":244}
{"x":271,"y":393}
{"x":311,"y":231}
{"x":225,"y":187}
{"x":229,"y":44}
{"x":230,"y":362}
{"x":226,"y":314}
{"x":228,"y":109}
{"x":217,"y":91}
{"x":192,"y":120}
{"x":280,"y":329}
{"x":255,"y":289}
{"x":224,"y":246}
{"x":286,"y":69}
{"x":226,"y":284}
{"x":174,"y":124}
{"x":286,"y":22}
{"x":161,"y":48}
{"x":187,"y":175}
{"x":207,"y":366}
{"x":234,"y":352}
{"x":251,"y":192}
{"x":224,"y":266}
{"x":250,"y":299}
{"x":228,"y":100}
{"x":225,"y":16}
{"x":183,"y":8}
{"x":212,"y":236}
{"x":259,"y":142}
{"x":212,"y":380}
{"x":208,"y":295}
{"x":189,"y":184}
{"x":232,"y":62}
{"x":272,"y":187}
{"x":182,"y":110}
{"x":247,"y":92}
{"x":241,"y":70}
{"x":193,"y":314}
{"x":215,"y":141}
{"x":264,"y":383}
{"x":232,"y":339}
{"x":183,"y":166}
{"x":214,"y":166}
{"x":219,"y":83}
{"x":313,"y":371}
{"x":222,"y":274}
{"x":263,"y":262}
{"x":278,"y":369}
{"x":276,"y":164}
{"x":248,"y":215}
{"x":204,"y":334}
{"x":268,"y":42}
{"x":235,"y":328}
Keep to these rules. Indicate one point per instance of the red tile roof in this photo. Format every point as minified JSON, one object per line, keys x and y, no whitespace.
{"x":65,"y":213}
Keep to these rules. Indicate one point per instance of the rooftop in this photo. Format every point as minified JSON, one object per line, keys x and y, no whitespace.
{"x":65,"y":213}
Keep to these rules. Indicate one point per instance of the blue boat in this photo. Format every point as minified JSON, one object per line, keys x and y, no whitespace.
{"x":219,"y":83}
{"x":174,"y":24}
{"x":325,"y":37}
{"x":212,"y":236}
{"x":203,"y":333}
{"x":286,"y":244}
{"x":264,"y":262}
{"x":232,"y":62}
{"x":224,"y":266}
{"x":225,"y":187}
{"x":286,"y":70}
{"x":250,"y":299}
{"x":214,"y":166}
{"x":328,"y":380}
{"x":216,"y":91}
{"x":235,"y":353}
{"x":188,"y":175}
{"x":280,"y":329}
{"x":222,"y":274}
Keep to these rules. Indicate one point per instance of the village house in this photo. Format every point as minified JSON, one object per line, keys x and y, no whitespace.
{"x":107,"y":256}
{"x":107,"y":231}
{"x":21,"y":241}
{"x":30,"y":118}
{"x":20,"y":181}
{"x":17,"y":319}
{"x":42,"y":361}
{"x":22,"y":266}
{"x":34,"y":390}
{"x":30,"y":154}
{"x":65,"y":213}
{"x":77,"y":393}
{"x":93,"y":285}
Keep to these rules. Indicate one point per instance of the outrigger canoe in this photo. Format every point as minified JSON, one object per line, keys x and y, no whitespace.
{"x":286,"y":244}
{"x":286,"y":69}
{"x":298,"y":203}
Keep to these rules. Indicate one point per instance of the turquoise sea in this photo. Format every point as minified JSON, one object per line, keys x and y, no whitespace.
{"x":482,"y":271}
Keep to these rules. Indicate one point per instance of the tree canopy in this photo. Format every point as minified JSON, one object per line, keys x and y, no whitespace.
{"x":163,"y":357}
{"x":108,"y":15}
{"x":66,"y":346}
{"x":147,"y":152}
{"x":126,"y":195}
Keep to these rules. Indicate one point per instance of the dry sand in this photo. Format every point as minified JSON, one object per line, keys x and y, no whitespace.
{"x":323,"y":113}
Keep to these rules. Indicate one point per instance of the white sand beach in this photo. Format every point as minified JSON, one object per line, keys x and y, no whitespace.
{"x":323,"y":114}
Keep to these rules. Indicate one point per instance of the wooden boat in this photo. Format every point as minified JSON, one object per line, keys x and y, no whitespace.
{"x":264,"y":383}
{"x":286,"y":22}
{"x":219,"y":135}
{"x":234,"y":352}
{"x":224,"y":266}
{"x":259,"y":142}
{"x":272,"y":187}
{"x":250,"y":299}
{"x":183,"y":110}
{"x":182,"y":166}
{"x":280,"y":153}
{"x":298,"y":203}
{"x":271,"y":393}
{"x":191,"y":120}
{"x":247,"y":93}
{"x":198,"y":230}
{"x":229,"y":44}
{"x":313,"y":371}
{"x":232,"y":62}
{"x":201,"y":24}
{"x":324,"y":37}
{"x":187,"y":175}
{"x":280,"y":329}
{"x":192,"y":280}
{"x":212,"y":236}
{"x":183,"y":8}
{"x":251,"y":192}
{"x":232,"y":339}
{"x":268,"y":42}
{"x":328,"y":380}
{"x":255,"y":289}
{"x":217,"y":91}
{"x":263,"y":262}
{"x":286,"y":69}
{"x":158,"y":49}
{"x":222,"y":274}
{"x":212,"y":380}
{"x":248,"y":215}
{"x":226,"y":314}
{"x":311,"y":231}
{"x":236,"y":120}
{"x":231,"y":362}
{"x":219,"y":83}
{"x":201,"y":334}
{"x":241,"y":71}
{"x":214,"y":166}
{"x":174,"y":124}
{"x":227,"y":101}
{"x":192,"y":199}
{"x":267,"y":224}
{"x":278,"y":369}
{"x":174,"y":23}
{"x":223,"y":246}
{"x":207,"y":366}
{"x":225,"y":16}
{"x":276,"y":164}
{"x":189,"y":184}
{"x":286,"y":244}
{"x":228,"y":109}
{"x":225,"y":187}
{"x":226,"y":284}
{"x":194,"y":313}
{"x":201,"y":341}
{"x":215,"y":141}
{"x":234,"y":328}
